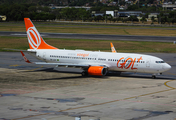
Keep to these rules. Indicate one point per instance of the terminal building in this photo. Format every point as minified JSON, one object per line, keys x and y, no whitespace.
{"x":129,"y":13}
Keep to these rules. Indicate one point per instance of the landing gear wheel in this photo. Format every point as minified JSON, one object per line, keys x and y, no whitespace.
{"x":84,"y":73}
{"x":153,"y":76}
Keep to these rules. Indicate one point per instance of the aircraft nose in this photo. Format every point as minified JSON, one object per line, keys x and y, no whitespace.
{"x":166,"y":67}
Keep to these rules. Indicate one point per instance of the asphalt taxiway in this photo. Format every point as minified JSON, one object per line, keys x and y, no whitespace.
{"x":38,"y":93}
{"x":95,"y":36}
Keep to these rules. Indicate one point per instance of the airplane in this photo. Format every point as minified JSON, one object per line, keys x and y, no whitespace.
{"x":94,"y":63}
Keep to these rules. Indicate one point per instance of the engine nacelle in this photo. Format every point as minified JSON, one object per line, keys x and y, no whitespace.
{"x":97,"y":70}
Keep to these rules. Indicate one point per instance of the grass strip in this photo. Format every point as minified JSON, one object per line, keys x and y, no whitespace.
{"x":93,"y":29}
{"x":93,"y":45}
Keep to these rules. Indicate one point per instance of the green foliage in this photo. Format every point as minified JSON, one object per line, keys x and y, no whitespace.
{"x":142,"y":8}
{"x":153,"y":19}
{"x":104,"y":8}
{"x":17,"y":12}
{"x":133,"y":7}
{"x":73,"y":14}
{"x":32,"y":9}
{"x":143,"y":19}
{"x":167,"y":17}
{"x":132,"y":18}
{"x":80,"y":2}
{"x":55,"y":2}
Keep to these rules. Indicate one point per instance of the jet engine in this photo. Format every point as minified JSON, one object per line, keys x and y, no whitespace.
{"x":97,"y":70}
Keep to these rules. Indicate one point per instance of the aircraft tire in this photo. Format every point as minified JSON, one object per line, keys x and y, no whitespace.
{"x":84,"y":73}
{"x":153,"y":76}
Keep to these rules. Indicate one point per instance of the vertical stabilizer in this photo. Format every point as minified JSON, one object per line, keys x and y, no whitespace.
{"x":112,"y":48}
{"x":34,"y":38}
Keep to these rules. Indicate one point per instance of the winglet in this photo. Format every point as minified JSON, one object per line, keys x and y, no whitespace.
{"x":112,"y":48}
{"x":25,"y":59}
{"x":34,"y":38}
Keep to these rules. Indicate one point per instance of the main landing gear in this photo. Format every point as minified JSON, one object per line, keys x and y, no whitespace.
{"x":84,"y":73}
{"x":153,"y":76}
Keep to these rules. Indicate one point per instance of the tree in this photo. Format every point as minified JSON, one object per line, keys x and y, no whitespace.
{"x":51,"y":17}
{"x":118,"y":19}
{"x":132,"y":7}
{"x":132,"y":18}
{"x":110,"y":18}
{"x":114,"y":20}
{"x":15,"y":12}
{"x":56,"y":12}
{"x":143,"y":19}
{"x":163,"y":19}
{"x":173,"y":21}
{"x":153,"y":19}
{"x":73,"y":13}
{"x":99,"y":17}
{"x":32,"y":9}
{"x":46,"y":9}
{"x":169,"y":20}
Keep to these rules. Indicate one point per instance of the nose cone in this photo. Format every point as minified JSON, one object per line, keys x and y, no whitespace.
{"x":166,"y":67}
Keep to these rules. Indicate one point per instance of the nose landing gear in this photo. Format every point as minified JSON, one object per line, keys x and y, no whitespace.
{"x":154,"y":75}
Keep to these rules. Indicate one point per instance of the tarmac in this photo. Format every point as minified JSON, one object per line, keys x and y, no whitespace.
{"x":30,"y":92}
{"x":96,"y":36}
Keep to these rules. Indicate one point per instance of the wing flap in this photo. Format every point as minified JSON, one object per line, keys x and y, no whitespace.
{"x":63,"y":64}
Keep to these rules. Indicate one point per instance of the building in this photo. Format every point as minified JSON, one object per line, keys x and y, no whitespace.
{"x":112,"y":13}
{"x":169,"y":6}
{"x":98,"y":13}
{"x":155,"y":15}
{"x":129,"y":13}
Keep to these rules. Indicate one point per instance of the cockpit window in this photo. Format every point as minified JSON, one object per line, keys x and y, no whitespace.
{"x":160,"y":62}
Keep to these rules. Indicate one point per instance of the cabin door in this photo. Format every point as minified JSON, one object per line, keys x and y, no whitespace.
{"x":44,"y":55}
{"x":148,"y":63}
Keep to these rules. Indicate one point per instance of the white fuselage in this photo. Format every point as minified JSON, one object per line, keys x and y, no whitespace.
{"x":113,"y":61}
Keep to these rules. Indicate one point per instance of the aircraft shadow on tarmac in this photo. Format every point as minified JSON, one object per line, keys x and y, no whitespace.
{"x":110,"y":74}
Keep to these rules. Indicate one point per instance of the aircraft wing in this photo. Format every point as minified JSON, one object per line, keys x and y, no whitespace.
{"x":69,"y":65}
{"x":63,"y":64}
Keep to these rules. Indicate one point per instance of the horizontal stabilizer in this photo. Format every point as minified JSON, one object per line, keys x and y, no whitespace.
{"x":25,"y":59}
{"x":14,"y":49}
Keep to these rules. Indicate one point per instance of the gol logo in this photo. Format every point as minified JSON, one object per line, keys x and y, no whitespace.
{"x":127,"y":62}
{"x":34,"y":38}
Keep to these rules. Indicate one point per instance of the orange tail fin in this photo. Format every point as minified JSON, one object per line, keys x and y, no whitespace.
{"x":112,"y":48}
{"x":34,"y":38}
